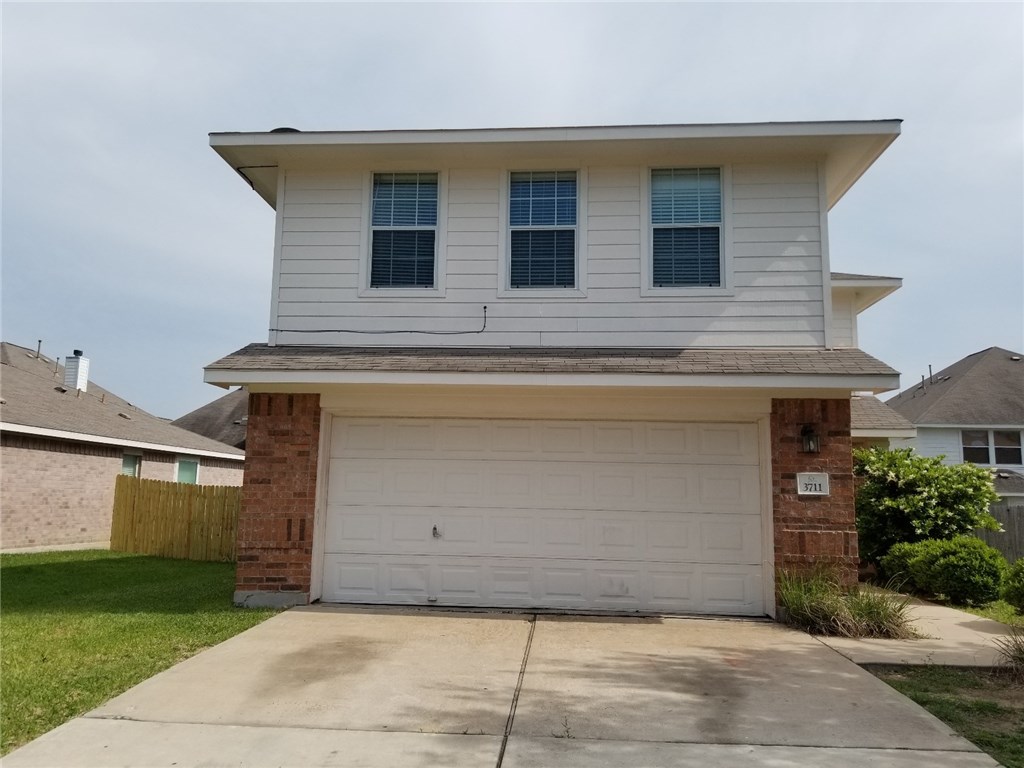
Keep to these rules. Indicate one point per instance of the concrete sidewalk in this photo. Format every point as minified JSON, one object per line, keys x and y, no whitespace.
{"x":950,"y":638}
{"x":335,"y":686}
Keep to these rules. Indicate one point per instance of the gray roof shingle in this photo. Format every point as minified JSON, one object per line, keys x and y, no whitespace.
{"x":759,"y":361}
{"x":867,"y":412}
{"x":30,"y":389}
{"x":223,"y":420}
{"x":984,"y":388}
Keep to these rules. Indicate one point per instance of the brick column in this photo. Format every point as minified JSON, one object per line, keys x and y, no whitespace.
{"x":813,"y":529}
{"x":275,"y":524}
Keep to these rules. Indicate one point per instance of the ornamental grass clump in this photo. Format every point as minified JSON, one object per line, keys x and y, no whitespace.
{"x":1011,"y":648}
{"x":819,"y":603}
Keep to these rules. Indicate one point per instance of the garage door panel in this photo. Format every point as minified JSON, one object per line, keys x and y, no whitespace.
{"x":522,"y":582}
{"x":607,"y":442}
{"x":612,"y":515}
{"x":480,"y":483}
{"x":546,"y":534}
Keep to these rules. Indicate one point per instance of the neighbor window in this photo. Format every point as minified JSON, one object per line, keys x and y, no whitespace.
{"x":686,"y":222}
{"x":542,"y":220}
{"x":991,"y":446}
{"x":131,"y":464}
{"x":187,"y":471}
{"x":403,"y":239}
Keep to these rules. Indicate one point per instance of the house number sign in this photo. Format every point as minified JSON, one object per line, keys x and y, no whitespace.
{"x":812,"y":484}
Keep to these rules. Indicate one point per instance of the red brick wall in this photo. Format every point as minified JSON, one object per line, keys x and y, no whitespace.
{"x":55,"y":492}
{"x":275,"y":525}
{"x":813,"y":529}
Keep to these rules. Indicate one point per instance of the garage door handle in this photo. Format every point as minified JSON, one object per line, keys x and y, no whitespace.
{"x":437,"y":533}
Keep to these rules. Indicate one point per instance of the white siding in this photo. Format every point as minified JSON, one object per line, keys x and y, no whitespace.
{"x":775,"y":295}
{"x":844,"y":321}
{"x":931,"y":441}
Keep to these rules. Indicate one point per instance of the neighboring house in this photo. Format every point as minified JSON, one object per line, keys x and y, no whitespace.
{"x":972,"y":411}
{"x":573,"y":368}
{"x":64,"y":441}
{"x":223,"y":420}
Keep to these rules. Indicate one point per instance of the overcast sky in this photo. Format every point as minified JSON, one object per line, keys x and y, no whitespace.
{"x":126,"y":236}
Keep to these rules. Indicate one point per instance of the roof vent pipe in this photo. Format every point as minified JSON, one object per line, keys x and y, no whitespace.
{"x":76,"y":372}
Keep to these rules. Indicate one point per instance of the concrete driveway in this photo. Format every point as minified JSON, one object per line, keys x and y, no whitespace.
{"x":332,"y":686}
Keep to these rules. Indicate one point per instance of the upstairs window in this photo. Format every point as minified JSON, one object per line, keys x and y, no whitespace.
{"x":992,"y":446}
{"x":686,"y":220}
{"x":403,"y":237}
{"x":542,"y":219}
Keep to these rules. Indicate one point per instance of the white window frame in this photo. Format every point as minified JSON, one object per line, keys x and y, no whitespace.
{"x":991,"y":445}
{"x":505,"y":289}
{"x":647,"y":287}
{"x":193,"y":459}
{"x":440,"y":240}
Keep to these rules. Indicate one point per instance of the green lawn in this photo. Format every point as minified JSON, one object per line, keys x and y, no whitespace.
{"x":1000,"y":610}
{"x":81,"y":627}
{"x":982,"y":705}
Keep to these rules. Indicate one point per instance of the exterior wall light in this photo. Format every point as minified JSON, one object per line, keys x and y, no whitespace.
{"x":811,"y":439}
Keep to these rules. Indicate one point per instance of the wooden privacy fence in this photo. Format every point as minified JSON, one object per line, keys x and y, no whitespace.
{"x":180,"y":520}
{"x":1011,"y":541}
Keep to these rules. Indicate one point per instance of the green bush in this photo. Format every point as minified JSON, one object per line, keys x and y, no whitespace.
{"x":964,"y":570}
{"x":895,"y":566}
{"x":903,"y":497}
{"x":1013,"y":586}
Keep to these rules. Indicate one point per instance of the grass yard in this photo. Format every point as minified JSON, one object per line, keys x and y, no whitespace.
{"x":1000,"y":610}
{"x":81,"y":627}
{"x":984,"y":706}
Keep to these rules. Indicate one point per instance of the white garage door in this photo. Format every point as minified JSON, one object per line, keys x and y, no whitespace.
{"x":557,"y":514}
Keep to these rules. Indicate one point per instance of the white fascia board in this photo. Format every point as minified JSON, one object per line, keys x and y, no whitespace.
{"x":873,"y":383}
{"x":901,"y":433}
{"x":81,"y":437}
{"x":577,"y":133}
{"x":969,"y":426}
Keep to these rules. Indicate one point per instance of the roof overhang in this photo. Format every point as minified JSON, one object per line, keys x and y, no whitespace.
{"x":865,"y":290}
{"x":846,"y":148}
{"x":81,"y":437}
{"x":268,"y":366}
{"x":837,"y":382}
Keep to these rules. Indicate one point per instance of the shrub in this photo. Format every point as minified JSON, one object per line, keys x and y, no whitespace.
{"x":903,"y":497}
{"x":1013,"y":586}
{"x":818,"y":603}
{"x":895,"y":566}
{"x":965,"y":570}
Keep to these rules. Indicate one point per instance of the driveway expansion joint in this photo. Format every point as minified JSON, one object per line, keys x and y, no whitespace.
{"x":519,"y":687}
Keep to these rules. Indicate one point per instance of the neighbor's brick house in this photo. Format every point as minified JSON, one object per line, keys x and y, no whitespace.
{"x":577,"y":368}
{"x":63,"y":442}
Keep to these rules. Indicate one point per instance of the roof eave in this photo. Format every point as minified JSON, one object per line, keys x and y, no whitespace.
{"x":852,"y":146}
{"x":867,"y":293}
{"x":840,"y":382}
{"x":82,"y":437}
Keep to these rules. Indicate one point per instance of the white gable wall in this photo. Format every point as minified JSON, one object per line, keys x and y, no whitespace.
{"x":772,"y":238}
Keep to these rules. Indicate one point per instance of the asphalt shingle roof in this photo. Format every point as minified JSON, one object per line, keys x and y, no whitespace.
{"x":30,"y":389}
{"x":223,"y":420}
{"x":759,"y":361}
{"x":867,"y":412}
{"x":984,"y":388}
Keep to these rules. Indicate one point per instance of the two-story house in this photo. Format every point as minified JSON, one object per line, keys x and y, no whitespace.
{"x":972,"y":411}
{"x":572,"y":368}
